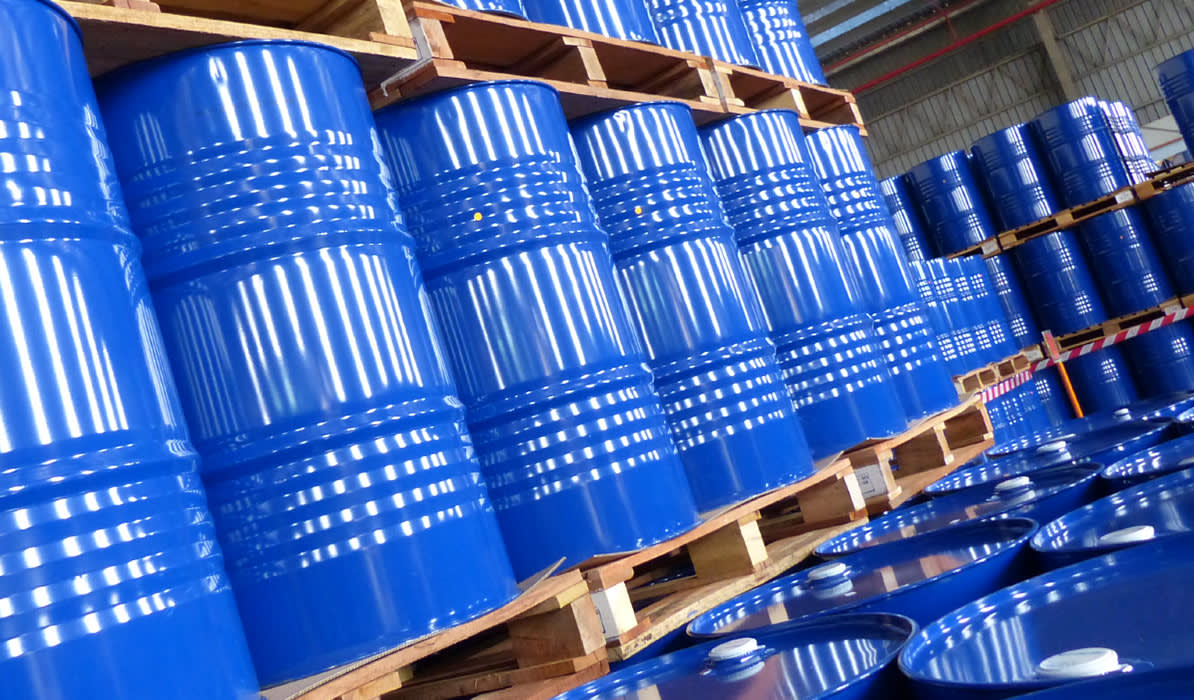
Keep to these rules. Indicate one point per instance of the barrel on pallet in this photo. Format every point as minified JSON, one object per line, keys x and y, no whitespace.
{"x":827,"y":347}
{"x":1103,"y":446}
{"x":1042,"y":496}
{"x":1121,"y":613}
{"x":572,"y":438}
{"x":1085,"y":162}
{"x":113,"y":585}
{"x":873,"y":249}
{"x":1129,"y":141}
{"x":1053,"y":270}
{"x":935,"y":287}
{"x":781,"y":40}
{"x":1158,"y":509}
{"x":334,"y":448}
{"x":1176,"y":76}
{"x":909,"y":223}
{"x":620,"y":19}
{"x":692,"y":303}
{"x":922,"y":578}
{"x":849,"y":657}
{"x":715,"y":29}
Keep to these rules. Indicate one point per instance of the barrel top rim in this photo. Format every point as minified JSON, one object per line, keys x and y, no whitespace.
{"x":150,"y":63}
{"x":605,"y":113}
{"x":74,"y":23}
{"x":735,"y":118}
{"x":420,"y":99}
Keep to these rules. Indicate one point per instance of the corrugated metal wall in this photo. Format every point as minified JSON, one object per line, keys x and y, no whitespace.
{"x":1113,"y":47}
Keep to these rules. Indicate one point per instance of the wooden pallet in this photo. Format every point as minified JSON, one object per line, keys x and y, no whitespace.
{"x":643,"y":596}
{"x":545,"y":642}
{"x":991,"y":375}
{"x":375,"y":32}
{"x":593,"y":73}
{"x":1158,"y":183}
{"x":744,"y":90}
{"x":1111,"y":327}
{"x":892,"y":471}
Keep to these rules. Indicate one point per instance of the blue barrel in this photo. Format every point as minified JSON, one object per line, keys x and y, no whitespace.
{"x":1170,"y":406}
{"x":572,"y":438}
{"x":1159,"y":509}
{"x":1042,"y":496}
{"x":1176,"y":77}
{"x":1171,"y":684}
{"x":1066,"y":431}
{"x":334,"y":449}
{"x":826,"y":343}
{"x":696,"y":311}
{"x":1129,"y":141}
{"x":1082,"y":153}
{"x":984,"y":332}
{"x":113,"y":584}
{"x":712,"y":28}
{"x":934,"y":287}
{"x":848,"y":657}
{"x":1120,"y":613}
{"x":873,"y":248}
{"x":1145,"y":465}
{"x":908,"y":220}
{"x":989,"y":309}
{"x":951,"y":286}
{"x":505,"y":7}
{"x":780,"y":39}
{"x":922,"y":578}
{"x":620,"y":19}
{"x":1052,"y":269}
{"x":1169,"y":217}
{"x":955,"y":215}
{"x":1104,"y":446}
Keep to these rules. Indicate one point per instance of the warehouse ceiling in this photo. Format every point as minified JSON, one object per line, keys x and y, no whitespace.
{"x":843,"y":28}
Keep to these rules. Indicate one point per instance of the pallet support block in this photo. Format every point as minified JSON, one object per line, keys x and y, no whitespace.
{"x":615,"y":611}
{"x":735,"y":550}
{"x":831,"y":501}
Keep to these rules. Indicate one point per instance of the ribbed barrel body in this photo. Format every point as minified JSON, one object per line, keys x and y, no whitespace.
{"x":1171,"y":219}
{"x":695,"y":309}
{"x":112,"y":583}
{"x":1129,"y":140}
{"x":781,"y":40}
{"x":621,"y":19}
{"x":1053,"y":269}
{"x":988,"y":311}
{"x":827,"y":347}
{"x":873,"y":248}
{"x":572,"y":438}
{"x":713,"y":28}
{"x":1176,"y":77}
{"x":334,"y":449}
{"x":908,"y":220}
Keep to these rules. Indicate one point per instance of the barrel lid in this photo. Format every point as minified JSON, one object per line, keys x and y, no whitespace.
{"x":1123,"y":612}
{"x":1066,"y":431}
{"x":1162,"y":407}
{"x":1155,"y":509}
{"x":1103,"y":445}
{"x":1171,"y":684}
{"x":1166,"y":458}
{"x":816,"y":659}
{"x":995,"y":500}
{"x":864,"y":578}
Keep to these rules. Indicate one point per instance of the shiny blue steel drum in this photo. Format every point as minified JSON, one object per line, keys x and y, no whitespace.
{"x":1053,"y":271}
{"x":1067,"y":430}
{"x":621,"y":19}
{"x":827,"y":347}
{"x":1129,"y":140}
{"x":847,"y":657}
{"x":1105,"y":446}
{"x":1176,"y":76}
{"x":714,"y":28}
{"x":781,"y":40}
{"x":873,"y":248}
{"x":1145,"y":465}
{"x":934,"y":286}
{"x":1117,"y":615}
{"x":113,"y":584}
{"x":504,"y":7}
{"x":573,"y":441}
{"x":1173,"y":233}
{"x":909,"y":222}
{"x":335,"y":453}
{"x":1043,"y":496}
{"x":922,"y":578}
{"x":696,"y":311}
{"x":1158,"y":509}
{"x":1081,"y":151}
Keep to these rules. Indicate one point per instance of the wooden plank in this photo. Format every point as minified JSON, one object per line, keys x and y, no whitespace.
{"x":115,"y":37}
{"x":548,"y":689}
{"x":471,"y":685}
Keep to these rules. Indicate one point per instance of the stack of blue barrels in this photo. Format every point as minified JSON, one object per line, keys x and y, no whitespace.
{"x":1061,"y":571}
{"x":909,"y":224}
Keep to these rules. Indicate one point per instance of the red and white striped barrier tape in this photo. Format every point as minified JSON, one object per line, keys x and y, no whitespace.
{"x":1126,"y":334}
{"x":1007,"y":385}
